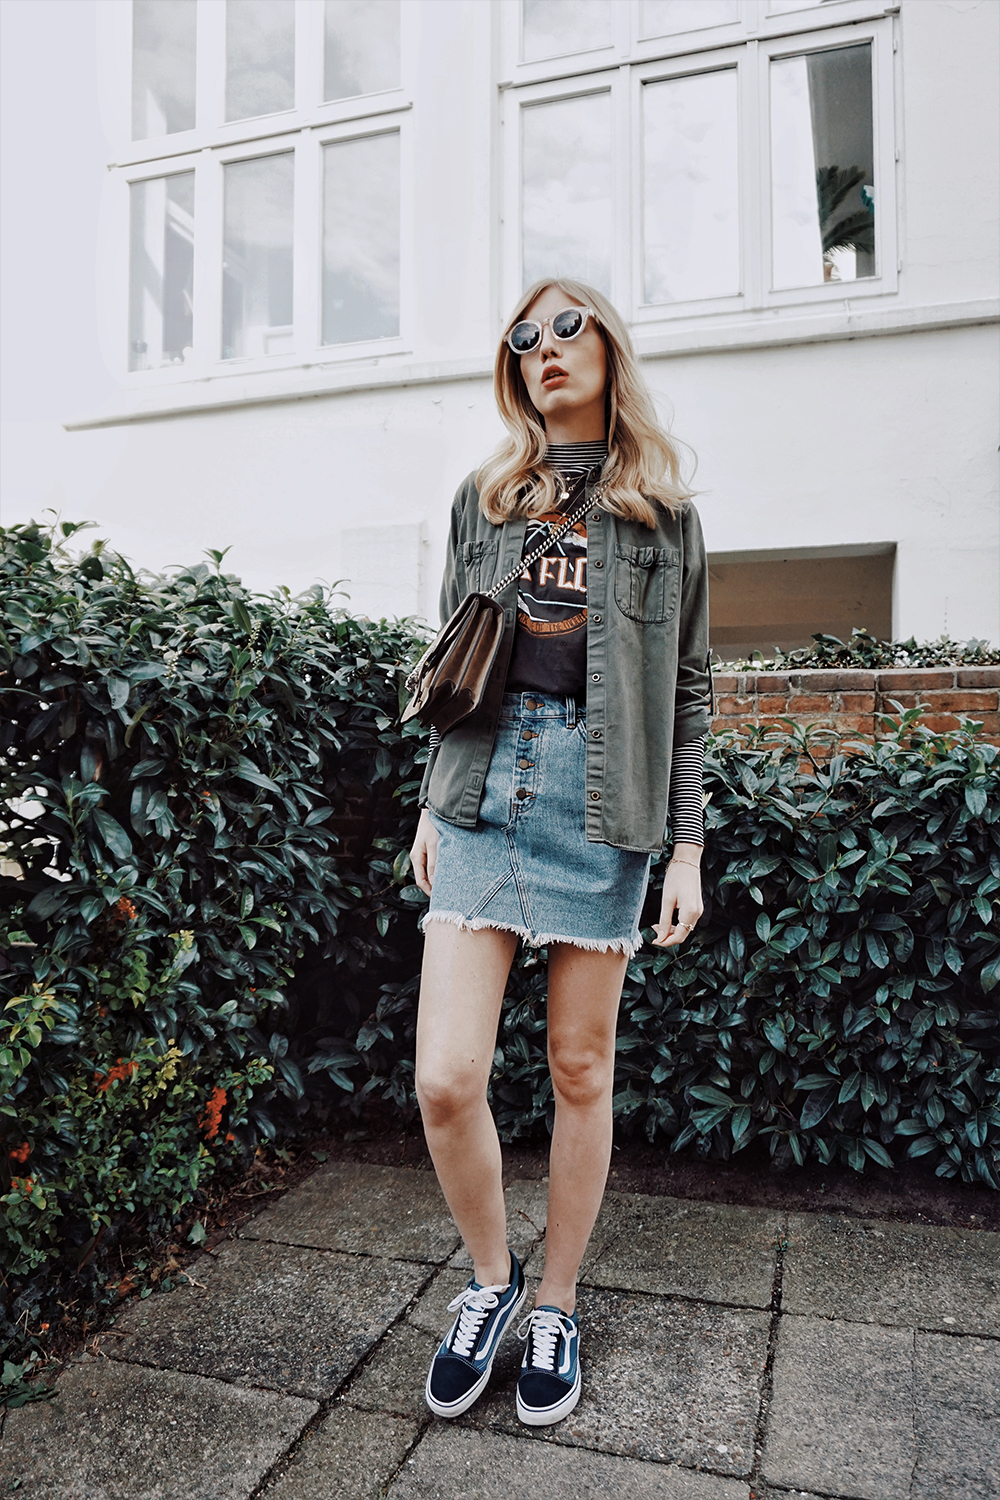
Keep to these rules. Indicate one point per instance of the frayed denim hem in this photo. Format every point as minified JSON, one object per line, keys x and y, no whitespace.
{"x":534,"y":940}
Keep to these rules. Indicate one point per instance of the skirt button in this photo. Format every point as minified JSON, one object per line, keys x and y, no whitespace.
{"x":524,"y":765}
{"x":521,"y":793}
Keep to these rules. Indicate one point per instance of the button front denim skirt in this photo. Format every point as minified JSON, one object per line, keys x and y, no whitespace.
{"x":527,"y":866}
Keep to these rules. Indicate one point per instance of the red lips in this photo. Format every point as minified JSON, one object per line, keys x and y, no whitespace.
{"x":553,"y":373}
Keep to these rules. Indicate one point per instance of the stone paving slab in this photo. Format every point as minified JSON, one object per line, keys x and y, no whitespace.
{"x":527,"y":1208}
{"x":271,"y":1315}
{"x":905,"y":1274}
{"x":393,"y":1380}
{"x":122,"y":1432}
{"x":957,"y":1406}
{"x":351,"y":1456}
{"x":673,"y":1382}
{"x":841,"y":1413}
{"x":673,"y":1246}
{"x":454,"y":1464}
{"x":364,"y":1210}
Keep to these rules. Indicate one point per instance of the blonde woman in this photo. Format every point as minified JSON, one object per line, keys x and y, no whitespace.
{"x":541,"y":810}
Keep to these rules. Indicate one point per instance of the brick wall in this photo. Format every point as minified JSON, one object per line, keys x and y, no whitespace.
{"x":850,"y":699}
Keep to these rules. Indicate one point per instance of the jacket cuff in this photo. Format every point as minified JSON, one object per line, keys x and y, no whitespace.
{"x":691,"y":723}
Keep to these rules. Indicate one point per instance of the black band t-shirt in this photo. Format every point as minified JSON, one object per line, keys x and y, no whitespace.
{"x":550,"y":642}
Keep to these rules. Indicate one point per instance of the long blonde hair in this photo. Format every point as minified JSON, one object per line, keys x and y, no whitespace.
{"x":643,"y":463}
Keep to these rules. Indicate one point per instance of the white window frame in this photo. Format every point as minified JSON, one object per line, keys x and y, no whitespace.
{"x":751,"y":55}
{"x":213,"y":144}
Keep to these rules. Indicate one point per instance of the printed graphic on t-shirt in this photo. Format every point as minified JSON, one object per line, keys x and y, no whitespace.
{"x":552,"y":593}
{"x":550,"y":643}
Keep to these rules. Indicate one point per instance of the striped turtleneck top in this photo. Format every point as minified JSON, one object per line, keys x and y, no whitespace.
{"x":550,"y":640}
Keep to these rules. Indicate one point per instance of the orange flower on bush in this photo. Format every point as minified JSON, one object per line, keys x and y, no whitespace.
{"x":212,"y":1116}
{"x":20,"y":1153}
{"x":123,"y":909}
{"x":121,"y":1071}
{"x":23,"y":1184}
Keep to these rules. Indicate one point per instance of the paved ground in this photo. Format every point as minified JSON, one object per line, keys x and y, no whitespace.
{"x":729,"y":1353}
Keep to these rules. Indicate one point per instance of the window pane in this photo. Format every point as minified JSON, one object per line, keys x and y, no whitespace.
{"x":161,"y":271}
{"x":778,"y":7}
{"x":362,"y":47}
{"x":257,"y":251}
{"x":260,"y":57}
{"x":361,"y":239}
{"x":566,"y":202}
{"x":666,"y":17}
{"x":554,"y":28}
{"x":822,"y":167}
{"x":691,"y":239}
{"x":162,"y":67}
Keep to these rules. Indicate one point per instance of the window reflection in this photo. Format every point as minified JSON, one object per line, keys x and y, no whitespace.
{"x":566,"y":210}
{"x":361,"y":53}
{"x":260,"y":57}
{"x":691,"y":240}
{"x":822,"y":167}
{"x":667,"y":17}
{"x":555,"y":28}
{"x":257,"y":257}
{"x":161,"y":271}
{"x":361,"y":239}
{"x":163,"y":67}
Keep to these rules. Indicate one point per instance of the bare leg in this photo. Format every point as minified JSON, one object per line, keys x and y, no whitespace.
{"x":584,"y":995}
{"x":461,"y":991}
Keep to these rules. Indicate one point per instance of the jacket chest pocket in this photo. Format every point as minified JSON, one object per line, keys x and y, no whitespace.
{"x":647,"y":582}
{"x":478,"y":562}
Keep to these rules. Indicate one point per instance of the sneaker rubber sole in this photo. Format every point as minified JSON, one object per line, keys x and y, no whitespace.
{"x":456,"y":1408}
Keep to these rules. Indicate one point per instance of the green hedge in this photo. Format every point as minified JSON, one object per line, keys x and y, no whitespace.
{"x":838,"y":998}
{"x":196,"y":948}
{"x":176,"y":755}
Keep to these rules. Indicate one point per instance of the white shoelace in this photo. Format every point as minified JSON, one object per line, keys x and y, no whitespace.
{"x":546,"y":1329}
{"x":476,"y":1306}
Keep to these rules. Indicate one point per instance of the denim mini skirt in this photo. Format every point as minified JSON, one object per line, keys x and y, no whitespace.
{"x":527,"y":866}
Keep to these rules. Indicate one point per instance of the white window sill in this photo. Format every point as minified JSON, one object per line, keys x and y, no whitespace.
{"x":763,"y":330}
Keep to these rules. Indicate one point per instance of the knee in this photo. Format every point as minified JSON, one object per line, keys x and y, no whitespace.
{"x":447,"y":1096}
{"x":581,"y":1076}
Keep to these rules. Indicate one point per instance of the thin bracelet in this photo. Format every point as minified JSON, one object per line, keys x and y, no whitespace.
{"x":673,"y":860}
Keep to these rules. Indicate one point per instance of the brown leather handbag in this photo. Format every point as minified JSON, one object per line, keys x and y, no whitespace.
{"x":448,"y":682}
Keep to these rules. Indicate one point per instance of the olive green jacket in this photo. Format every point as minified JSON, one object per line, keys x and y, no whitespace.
{"x":648,"y":685}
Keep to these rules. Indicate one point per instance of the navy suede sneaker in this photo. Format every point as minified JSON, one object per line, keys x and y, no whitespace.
{"x":461,"y":1367}
{"x":548,"y":1387}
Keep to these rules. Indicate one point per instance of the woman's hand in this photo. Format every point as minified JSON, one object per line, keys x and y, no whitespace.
{"x":423,"y":855}
{"x":682,"y":903}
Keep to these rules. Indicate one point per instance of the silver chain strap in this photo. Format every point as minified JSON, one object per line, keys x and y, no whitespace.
{"x":554,"y":536}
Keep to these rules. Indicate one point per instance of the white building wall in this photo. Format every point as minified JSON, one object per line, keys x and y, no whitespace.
{"x":812,"y":428}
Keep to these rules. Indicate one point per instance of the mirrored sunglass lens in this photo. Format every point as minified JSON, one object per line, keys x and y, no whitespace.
{"x":523,"y":336}
{"x":568,"y":324}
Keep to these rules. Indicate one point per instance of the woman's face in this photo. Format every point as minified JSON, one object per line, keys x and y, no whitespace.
{"x":566,"y":381}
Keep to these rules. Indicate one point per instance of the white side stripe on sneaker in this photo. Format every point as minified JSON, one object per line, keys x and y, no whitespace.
{"x":546,"y":1329}
{"x":476,"y":1304}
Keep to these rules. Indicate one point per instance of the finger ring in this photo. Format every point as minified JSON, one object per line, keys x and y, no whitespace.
{"x":688,"y":925}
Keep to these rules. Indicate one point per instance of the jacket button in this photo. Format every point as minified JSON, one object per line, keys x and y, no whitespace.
{"x":598,"y":563}
{"x":521,"y":793}
{"x":523,"y":765}
{"x":595,"y":796}
{"x":595,"y":676}
{"x":598,"y":619}
{"x":595,"y":734}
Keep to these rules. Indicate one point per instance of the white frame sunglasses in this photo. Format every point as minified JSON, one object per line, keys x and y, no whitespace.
{"x":532,"y":325}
